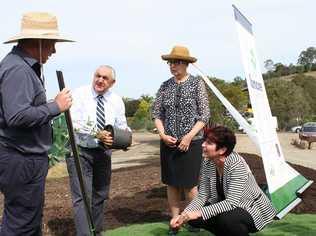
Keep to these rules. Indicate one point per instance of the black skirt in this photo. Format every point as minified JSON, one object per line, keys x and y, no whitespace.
{"x":181,"y":169}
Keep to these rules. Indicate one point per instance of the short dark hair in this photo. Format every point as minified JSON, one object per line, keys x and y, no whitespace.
{"x":28,"y":42}
{"x":222,"y":136}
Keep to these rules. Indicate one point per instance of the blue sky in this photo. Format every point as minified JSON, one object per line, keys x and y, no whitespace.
{"x":131,"y":35}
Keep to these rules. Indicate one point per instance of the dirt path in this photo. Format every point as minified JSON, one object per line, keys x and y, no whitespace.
{"x":147,"y":147}
{"x":292,"y":154}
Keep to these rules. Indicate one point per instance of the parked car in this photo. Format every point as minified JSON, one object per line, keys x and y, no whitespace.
{"x":308,"y":133}
{"x":296,"y":129}
{"x":309,"y":129}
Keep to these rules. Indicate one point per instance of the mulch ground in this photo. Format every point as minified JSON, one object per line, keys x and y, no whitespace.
{"x":137,"y":196}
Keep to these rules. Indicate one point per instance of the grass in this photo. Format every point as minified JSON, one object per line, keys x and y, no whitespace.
{"x":152,"y":229}
{"x":291,"y":225}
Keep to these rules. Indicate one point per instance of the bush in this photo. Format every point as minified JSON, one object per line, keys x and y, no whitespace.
{"x":288,"y":102}
{"x":138,"y":123}
{"x":142,"y":117}
{"x":60,"y":137}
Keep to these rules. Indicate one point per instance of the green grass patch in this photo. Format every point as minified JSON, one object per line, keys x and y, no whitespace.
{"x":291,"y":225}
{"x":152,"y":229}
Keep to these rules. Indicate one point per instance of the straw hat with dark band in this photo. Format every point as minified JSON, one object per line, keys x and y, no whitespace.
{"x":39,"y":25}
{"x":179,"y":53}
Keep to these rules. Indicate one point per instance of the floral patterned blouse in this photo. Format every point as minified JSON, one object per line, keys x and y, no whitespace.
{"x":180,"y":106}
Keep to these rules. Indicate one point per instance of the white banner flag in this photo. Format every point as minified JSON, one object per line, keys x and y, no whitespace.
{"x":283,"y":181}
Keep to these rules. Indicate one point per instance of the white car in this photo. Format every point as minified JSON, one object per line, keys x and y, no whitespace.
{"x":296,"y":129}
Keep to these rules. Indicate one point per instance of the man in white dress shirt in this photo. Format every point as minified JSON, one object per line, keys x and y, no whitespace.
{"x":94,"y":157}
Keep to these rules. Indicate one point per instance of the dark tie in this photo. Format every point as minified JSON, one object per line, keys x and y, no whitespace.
{"x":100,"y":113}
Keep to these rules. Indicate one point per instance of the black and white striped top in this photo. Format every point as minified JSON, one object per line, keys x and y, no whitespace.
{"x":240,"y":190}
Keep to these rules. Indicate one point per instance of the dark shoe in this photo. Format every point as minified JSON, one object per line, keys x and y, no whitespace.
{"x":172,"y":231}
{"x":192,"y":229}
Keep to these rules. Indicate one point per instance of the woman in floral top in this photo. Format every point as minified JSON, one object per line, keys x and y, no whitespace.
{"x":181,"y":110}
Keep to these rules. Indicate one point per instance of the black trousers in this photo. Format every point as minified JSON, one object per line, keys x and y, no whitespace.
{"x":96,"y":170}
{"x":22,"y":181}
{"x":236,"y":222}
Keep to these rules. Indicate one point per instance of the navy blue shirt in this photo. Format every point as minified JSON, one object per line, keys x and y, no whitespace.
{"x":25,"y":114}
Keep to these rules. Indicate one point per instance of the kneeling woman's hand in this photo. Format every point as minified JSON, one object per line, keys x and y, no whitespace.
{"x":178,"y":221}
{"x":192,"y":215}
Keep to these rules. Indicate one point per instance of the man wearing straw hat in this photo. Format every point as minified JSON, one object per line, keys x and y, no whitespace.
{"x":25,"y":123}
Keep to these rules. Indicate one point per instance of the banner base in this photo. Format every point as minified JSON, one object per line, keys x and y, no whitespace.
{"x":287,"y":209}
{"x":293,"y":204}
{"x":302,"y":189}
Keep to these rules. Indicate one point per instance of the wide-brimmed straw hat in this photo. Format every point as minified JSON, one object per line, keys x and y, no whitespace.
{"x":179,"y":53}
{"x":39,"y":25}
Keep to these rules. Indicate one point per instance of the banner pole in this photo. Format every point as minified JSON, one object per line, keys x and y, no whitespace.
{"x":232,"y":110}
{"x":74,"y":148}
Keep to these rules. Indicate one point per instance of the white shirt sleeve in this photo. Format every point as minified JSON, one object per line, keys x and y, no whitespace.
{"x":120,"y":119}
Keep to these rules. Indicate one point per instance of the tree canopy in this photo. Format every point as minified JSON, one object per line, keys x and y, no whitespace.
{"x":308,"y":84}
{"x":307,"y":57}
{"x":287,"y":101}
{"x":233,"y":91}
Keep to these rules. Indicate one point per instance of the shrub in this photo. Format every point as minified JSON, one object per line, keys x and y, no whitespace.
{"x":60,"y":137}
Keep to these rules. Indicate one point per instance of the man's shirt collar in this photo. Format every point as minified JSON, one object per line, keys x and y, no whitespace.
{"x":27,"y":58}
{"x":105,"y":95}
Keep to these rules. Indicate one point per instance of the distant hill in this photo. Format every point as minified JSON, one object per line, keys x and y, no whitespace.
{"x":290,"y":77}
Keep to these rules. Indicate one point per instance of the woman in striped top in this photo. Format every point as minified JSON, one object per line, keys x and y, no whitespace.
{"x":230,"y":201}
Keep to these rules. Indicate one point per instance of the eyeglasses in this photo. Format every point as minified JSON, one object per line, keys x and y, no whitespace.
{"x":177,"y":62}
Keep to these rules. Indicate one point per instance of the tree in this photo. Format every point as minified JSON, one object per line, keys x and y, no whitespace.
{"x":233,"y":92}
{"x":142,"y":118}
{"x":143,"y":109}
{"x":292,"y":69}
{"x":239,"y":82}
{"x":269,"y":65}
{"x":147,"y":98}
{"x":308,"y":84}
{"x":131,"y":106}
{"x":281,"y":70}
{"x":307,"y":57}
{"x":300,"y":69}
{"x":287,"y":101}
